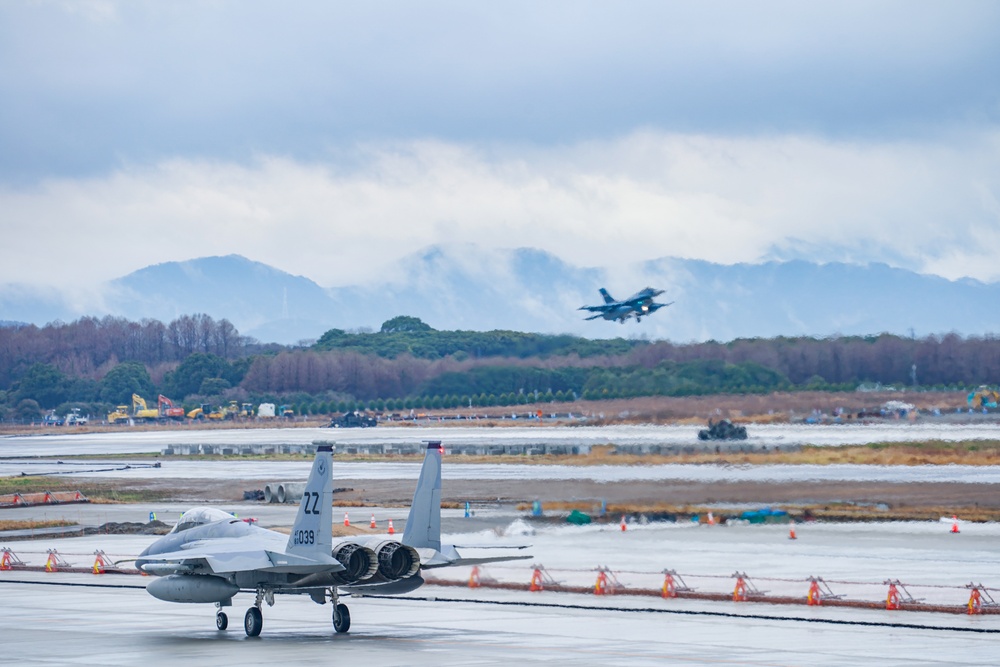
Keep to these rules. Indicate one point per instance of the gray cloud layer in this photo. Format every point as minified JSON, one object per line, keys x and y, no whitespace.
{"x":928,"y":206}
{"x":305,"y":136}
{"x":93,"y":84}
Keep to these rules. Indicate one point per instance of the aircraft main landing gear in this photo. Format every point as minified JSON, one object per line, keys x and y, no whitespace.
{"x":341,"y":618}
{"x":341,"y":614}
{"x":253,"y":622}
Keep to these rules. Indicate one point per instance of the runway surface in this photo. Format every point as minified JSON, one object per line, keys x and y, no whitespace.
{"x":71,"y":619}
{"x":51,"y":622}
{"x":345,"y":471}
{"x":53,"y":443}
{"x":45,"y":625}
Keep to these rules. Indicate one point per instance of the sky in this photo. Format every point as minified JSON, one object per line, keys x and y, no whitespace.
{"x":332,"y":139}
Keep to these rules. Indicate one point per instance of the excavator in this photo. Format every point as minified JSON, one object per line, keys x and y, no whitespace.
{"x":167,"y":410}
{"x":141,"y":411}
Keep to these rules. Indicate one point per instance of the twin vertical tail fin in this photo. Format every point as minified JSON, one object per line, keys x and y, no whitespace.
{"x":423,"y":525}
{"x":313,"y":530}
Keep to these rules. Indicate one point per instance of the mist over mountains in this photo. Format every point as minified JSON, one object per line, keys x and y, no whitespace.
{"x":475,"y":288}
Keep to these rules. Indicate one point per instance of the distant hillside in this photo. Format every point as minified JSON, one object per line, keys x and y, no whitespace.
{"x":467,"y":287}
{"x":247,"y":293}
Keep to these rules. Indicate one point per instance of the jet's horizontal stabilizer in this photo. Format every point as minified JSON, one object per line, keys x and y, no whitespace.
{"x":432,"y":563}
{"x":491,"y":546}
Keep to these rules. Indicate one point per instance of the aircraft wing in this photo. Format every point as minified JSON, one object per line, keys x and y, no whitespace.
{"x":214,"y":560}
{"x":599,"y":309}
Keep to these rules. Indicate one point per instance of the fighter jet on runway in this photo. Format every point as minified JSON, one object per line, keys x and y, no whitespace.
{"x":639,"y":304}
{"x":210,"y":556}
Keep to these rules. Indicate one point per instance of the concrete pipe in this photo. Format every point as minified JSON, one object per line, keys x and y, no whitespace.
{"x":290,"y":492}
{"x":270,"y":493}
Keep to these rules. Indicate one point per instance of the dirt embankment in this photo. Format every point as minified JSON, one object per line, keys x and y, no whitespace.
{"x":830,"y":499}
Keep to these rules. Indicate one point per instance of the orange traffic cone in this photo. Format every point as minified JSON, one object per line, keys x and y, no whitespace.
{"x":392,"y":531}
{"x":623,"y":523}
{"x":711,"y":519}
{"x":474,"y":577}
{"x":791,"y":531}
{"x":954,"y":523}
{"x":373,"y":522}
{"x":347,"y":521}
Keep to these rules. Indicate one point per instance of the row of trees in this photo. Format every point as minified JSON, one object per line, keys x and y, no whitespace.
{"x":196,"y":359}
{"x":89,"y":346}
{"x":888,"y":359}
{"x":410,"y":336}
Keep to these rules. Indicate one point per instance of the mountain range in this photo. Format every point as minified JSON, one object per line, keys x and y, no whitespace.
{"x":525,"y":289}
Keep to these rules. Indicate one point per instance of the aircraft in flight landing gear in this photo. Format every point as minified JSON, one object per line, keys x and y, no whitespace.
{"x":210,"y":556}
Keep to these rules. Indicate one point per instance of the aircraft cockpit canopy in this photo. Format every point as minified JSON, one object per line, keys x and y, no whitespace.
{"x":199,"y":516}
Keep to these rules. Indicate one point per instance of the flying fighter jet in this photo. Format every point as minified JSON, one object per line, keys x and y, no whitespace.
{"x":210,"y":556}
{"x":639,"y":304}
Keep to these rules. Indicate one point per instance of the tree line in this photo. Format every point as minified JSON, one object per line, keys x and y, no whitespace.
{"x":90,"y":346}
{"x":100,"y":362}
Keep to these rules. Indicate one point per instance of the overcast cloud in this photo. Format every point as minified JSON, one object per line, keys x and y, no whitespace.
{"x":306,"y":135}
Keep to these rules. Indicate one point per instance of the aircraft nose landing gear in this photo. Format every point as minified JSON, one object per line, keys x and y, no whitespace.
{"x":221,"y":619}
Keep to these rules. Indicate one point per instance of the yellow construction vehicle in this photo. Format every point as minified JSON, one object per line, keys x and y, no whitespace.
{"x":984,"y":397}
{"x":231,"y":411}
{"x":206,"y":412}
{"x":119,"y":416}
{"x":141,"y":412}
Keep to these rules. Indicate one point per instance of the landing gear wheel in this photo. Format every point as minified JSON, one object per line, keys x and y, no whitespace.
{"x":221,"y":620}
{"x":341,"y":618}
{"x":253,"y":622}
